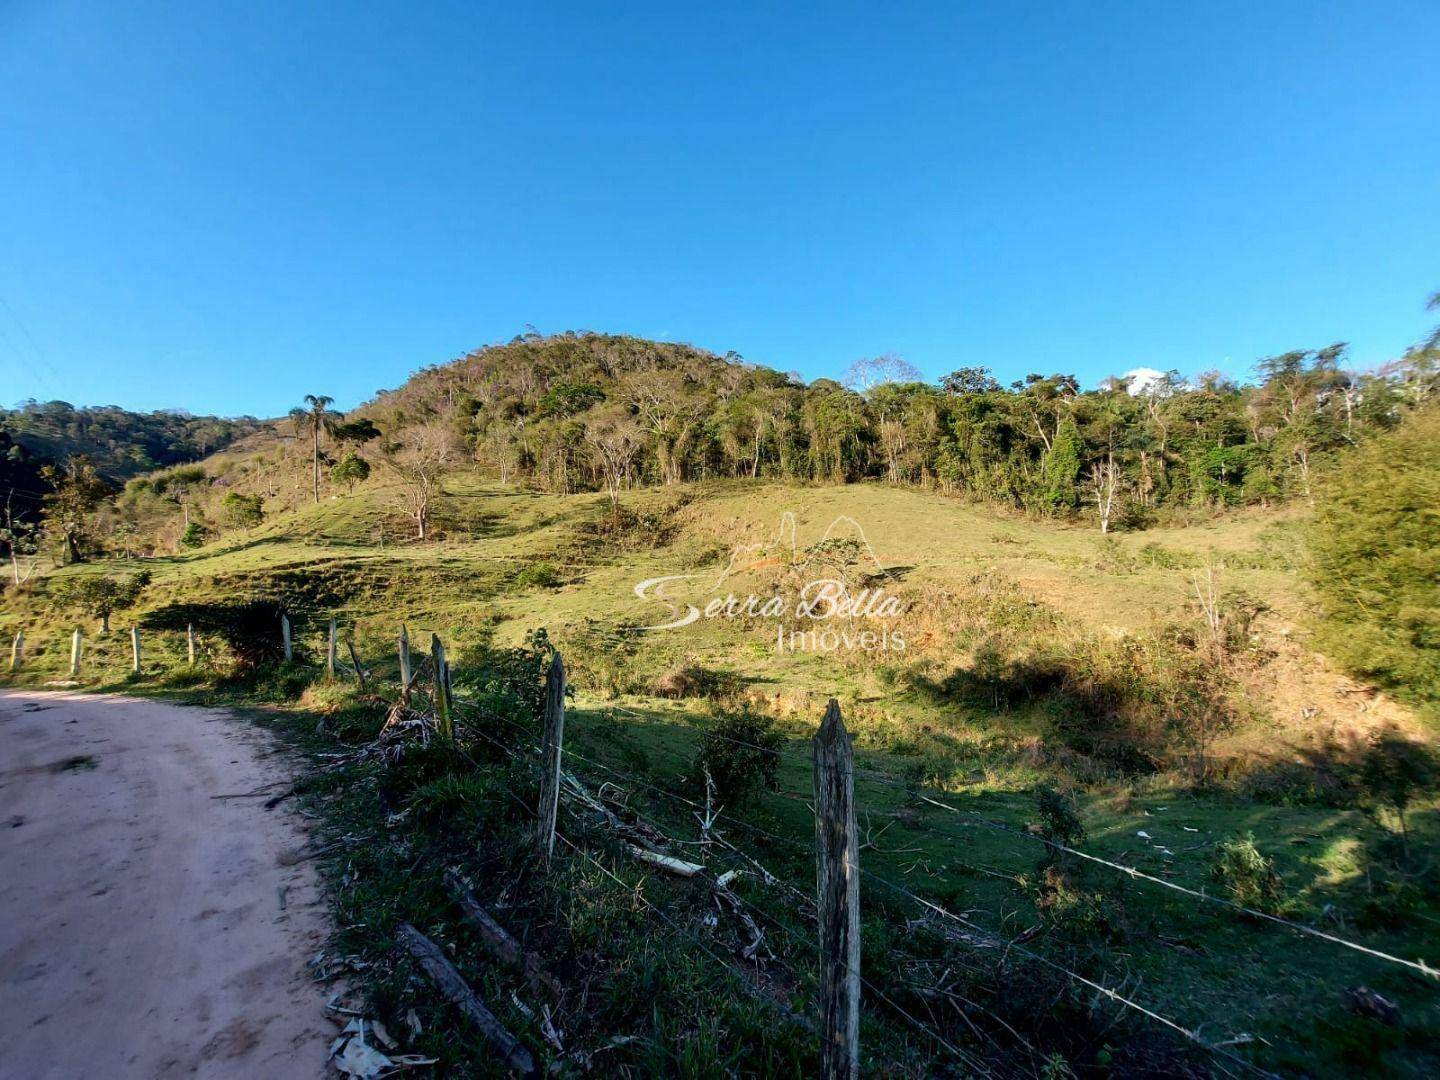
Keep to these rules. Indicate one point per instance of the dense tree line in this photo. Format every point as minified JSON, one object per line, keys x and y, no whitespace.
{"x":119,"y":443}
{"x":591,"y":411}
{"x":584,"y":411}
{"x":59,"y":465}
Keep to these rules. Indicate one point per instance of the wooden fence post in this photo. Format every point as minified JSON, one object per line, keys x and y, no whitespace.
{"x":330,"y":648}
{"x":135,"y":650}
{"x":190,"y":642}
{"x":285,"y":638}
{"x":837,"y":852}
{"x":17,"y":651}
{"x":442,"y":687}
{"x":355,"y":659}
{"x":75,"y":654}
{"x":551,"y":744}
{"x":404,"y":658}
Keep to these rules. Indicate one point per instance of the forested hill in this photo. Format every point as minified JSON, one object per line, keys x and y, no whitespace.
{"x":119,"y":443}
{"x":584,"y":410}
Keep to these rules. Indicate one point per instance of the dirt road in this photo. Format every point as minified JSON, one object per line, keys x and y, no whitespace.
{"x":142,"y":928}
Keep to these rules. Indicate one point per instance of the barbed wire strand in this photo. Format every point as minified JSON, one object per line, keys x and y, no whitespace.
{"x":969,"y":1059}
{"x":1040,"y":958}
{"x":1133,"y":872}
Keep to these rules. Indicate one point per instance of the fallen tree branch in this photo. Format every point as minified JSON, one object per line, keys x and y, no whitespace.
{"x":496,"y":939}
{"x":666,"y":862}
{"x":457,"y":991}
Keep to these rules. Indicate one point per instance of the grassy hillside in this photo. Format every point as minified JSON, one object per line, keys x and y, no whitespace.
{"x":1035,"y":652}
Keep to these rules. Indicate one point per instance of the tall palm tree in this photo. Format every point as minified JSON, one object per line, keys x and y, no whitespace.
{"x":316,"y":418}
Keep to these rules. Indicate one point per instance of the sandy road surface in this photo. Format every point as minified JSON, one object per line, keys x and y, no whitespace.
{"x":141,"y":928}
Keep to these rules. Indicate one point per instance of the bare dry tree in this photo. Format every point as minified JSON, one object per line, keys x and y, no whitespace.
{"x":1105,"y":482}
{"x":867,"y":373}
{"x":418,"y":459}
{"x":614,"y":439}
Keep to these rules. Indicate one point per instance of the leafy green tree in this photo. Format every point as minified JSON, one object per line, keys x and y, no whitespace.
{"x":355,"y":432}
{"x":1375,"y":542}
{"x":194,"y":536}
{"x":99,"y":596}
{"x":69,"y":511}
{"x":1061,"y":467}
{"x":969,"y":380}
{"x":838,"y":430}
{"x":350,"y":470}
{"x":241,"y":511}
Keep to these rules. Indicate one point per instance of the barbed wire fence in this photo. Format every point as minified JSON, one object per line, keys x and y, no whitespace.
{"x":429,"y":690}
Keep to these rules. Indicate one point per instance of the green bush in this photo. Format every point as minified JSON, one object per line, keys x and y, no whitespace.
{"x":538,"y":575}
{"x":741,"y":753}
{"x":194,"y":535}
{"x":1059,"y":818}
{"x":350,"y":470}
{"x":1247,"y":876}
{"x":241,"y":511}
{"x":1375,"y":547}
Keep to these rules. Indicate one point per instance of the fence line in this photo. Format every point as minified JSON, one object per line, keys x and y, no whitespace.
{"x":1133,"y":872}
{"x":836,"y":849}
{"x":975,"y":1063}
{"x":990,"y":939}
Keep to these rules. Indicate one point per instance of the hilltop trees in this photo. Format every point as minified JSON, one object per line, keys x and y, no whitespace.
{"x":1039,"y":445}
{"x":583,"y":411}
{"x":120,"y":444}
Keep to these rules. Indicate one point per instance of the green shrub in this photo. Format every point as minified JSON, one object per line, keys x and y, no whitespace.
{"x":452,"y":799}
{"x":1071,"y":911}
{"x":1375,"y":547}
{"x":350,"y":470}
{"x":1059,"y":817}
{"x":1247,"y":876}
{"x":538,"y":575}
{"x":508,"y":684}
{"x":686,"y":681}
{"x":194,"y":536}
{"x":741,"y":753}
{"x":241,"y":511}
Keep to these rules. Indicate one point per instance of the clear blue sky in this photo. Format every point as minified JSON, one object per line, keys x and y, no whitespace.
{"x":225,"y":206}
